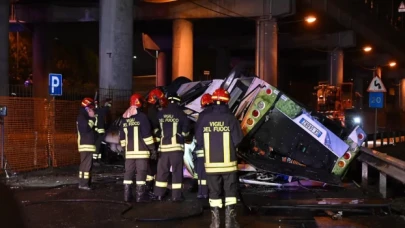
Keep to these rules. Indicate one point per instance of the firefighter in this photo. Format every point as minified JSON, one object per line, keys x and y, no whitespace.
{"x":174,"y":126}
{"x":136,"y":138}
{"x":220,"y":133}
{"x":101,"y":114}
{"x":86,"y":127}
{"x":198,"y":154}
{"x":156,"y":101}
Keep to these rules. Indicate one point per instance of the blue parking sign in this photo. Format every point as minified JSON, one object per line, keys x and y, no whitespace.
{"x":376,"y":100}
{"x":55,"y":84}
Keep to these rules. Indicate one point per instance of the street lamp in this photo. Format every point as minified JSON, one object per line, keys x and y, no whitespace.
{"x":367,"y":48}
{"x":159,"y":1}
{"x":392,"y":63}
{"x":310,"y":19}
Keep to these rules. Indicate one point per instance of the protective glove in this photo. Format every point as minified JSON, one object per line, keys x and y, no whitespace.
{"x":154,"y":155}
{"x":194,"y":154}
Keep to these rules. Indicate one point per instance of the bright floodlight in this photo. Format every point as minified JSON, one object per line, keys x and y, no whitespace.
{"x":134,"y":57}
{"x":392,"y":64}
{"x":367,"y":48}
{"x":310,"y":19}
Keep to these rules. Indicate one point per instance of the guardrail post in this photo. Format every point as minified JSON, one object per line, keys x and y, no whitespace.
{"x":382,"y":139}
{"x":364,"y":174}
{"x":394,"y":136}
{"x":383,"y":184}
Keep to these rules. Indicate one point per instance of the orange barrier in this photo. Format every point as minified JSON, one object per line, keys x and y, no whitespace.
{"x":41,"y":133}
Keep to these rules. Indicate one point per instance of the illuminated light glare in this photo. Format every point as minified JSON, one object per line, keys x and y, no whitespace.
{"x":341,"y":164}
{"x":268,"y":91}
{"x":134,"y":57}
{"x":261,"y":105}
{"x":255,"y":113}
{"x":250,"y":121}
{"x":367,"y":48}
{"x":357,"y":120}
{"x":392,"y":64}
{"x":360,"y":136}
{"x":310,"y":19}
{"x":159,"y":1}
{"x":347,"y":156}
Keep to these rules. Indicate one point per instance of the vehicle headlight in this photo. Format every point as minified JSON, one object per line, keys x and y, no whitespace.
{"x":357,"y":120}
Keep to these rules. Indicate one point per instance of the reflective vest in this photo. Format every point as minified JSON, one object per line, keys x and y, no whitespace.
{"x":220,"y":133}
{"x":153,"y":118}
{"x":85,"y":132}
{"x":174,"y":126}
{"x":136,"y":136}
{"x":101,"y":114}
{"x":200,"y":146}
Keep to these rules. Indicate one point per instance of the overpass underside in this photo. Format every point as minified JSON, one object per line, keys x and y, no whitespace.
{"x":351,"y":23}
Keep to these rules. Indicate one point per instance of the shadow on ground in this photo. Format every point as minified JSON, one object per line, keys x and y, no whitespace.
{"x":50,"y":198}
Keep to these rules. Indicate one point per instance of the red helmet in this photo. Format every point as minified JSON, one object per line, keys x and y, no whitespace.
{"x":136,"y":100}
{"x":87,"y":102}
{"x":206,"y":99}
{"x":155,"y":95}
{"x":220,"y":94}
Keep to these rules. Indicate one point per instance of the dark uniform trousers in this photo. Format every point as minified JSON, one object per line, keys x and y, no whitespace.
{"x":152,"y":169}
{"x":175,"y":160}
{"x":98,"y":153}
{"x":138,"y":166}
{"x":202,"y":177}
{"x":230,"y":187}
{"x":86,"y":163}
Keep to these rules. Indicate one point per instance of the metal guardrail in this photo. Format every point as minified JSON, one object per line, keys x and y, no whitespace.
{"x":385,"y":164}
{"x":384,"y":139}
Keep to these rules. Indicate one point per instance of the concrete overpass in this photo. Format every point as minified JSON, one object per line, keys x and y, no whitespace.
{"x":116,"y":34}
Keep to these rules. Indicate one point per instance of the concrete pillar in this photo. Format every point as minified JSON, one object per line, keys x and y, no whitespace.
{"x":182,"y":61}
{"x":161,"y":77}
{"x":402,"y":94}
{"x":40,"y":59}
{"x":358,"y":95}
{"x":377,"y":72}
{"x":116,"y":45}
{"x":335,"y":61}
{"x":223,"y":62}
{"x":4,"y":74}
{"x":267,"y":50}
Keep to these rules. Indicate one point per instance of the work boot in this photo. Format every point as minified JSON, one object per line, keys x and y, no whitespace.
{"x":149,"y":186}
{"x":202,"y":196}
{"x":215,"y":221}
{"x":128,"y":193}
{"x":230,"y":217}
{"x":84,"y":185}
{"x":178,"y":199}
{"x":141,"y":195}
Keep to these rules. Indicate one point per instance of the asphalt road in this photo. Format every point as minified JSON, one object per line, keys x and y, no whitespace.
{"x":103,"y":207}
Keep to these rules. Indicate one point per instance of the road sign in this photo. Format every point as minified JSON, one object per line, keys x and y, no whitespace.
{"x":55,"y":84}
{"x":376,"y":100}
{"x":376,"y":85}
{"x":401,"y":8}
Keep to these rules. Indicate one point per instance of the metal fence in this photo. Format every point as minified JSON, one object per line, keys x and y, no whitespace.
{"x":41,"y":132}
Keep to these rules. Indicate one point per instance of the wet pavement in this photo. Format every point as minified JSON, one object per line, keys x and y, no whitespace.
{"x":50,"y":198}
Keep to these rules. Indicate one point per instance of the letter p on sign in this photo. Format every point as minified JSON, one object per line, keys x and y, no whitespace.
{"x":55,"y":84}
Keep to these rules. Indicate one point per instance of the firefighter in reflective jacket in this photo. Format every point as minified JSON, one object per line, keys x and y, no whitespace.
{"x":86,"y":127}
{"x":101,"y":114}
{"x":156,"y":101}
{"x":174,"y":126}
{"x":220,"y":132}
{"x":136,"y":138}
{"x":198,"y":154}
